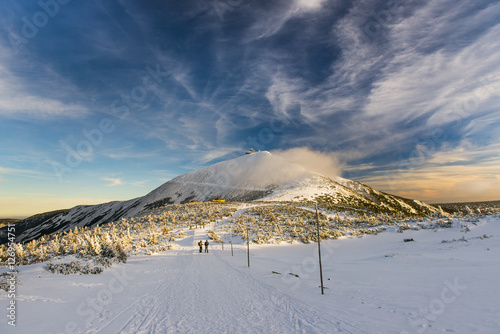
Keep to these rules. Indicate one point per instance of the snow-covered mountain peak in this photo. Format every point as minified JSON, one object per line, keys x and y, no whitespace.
{"x":247,"y":177}
{"x":259,"y":169}
{"x":255,"y":176}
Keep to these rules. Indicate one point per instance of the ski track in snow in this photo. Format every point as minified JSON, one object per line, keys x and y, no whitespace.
{"x":203,"y":293}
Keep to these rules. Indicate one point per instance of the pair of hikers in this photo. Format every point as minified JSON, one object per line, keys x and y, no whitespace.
{"x":201,"y":246}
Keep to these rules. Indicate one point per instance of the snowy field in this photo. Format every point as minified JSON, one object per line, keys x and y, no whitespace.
{"x":445,"y":281}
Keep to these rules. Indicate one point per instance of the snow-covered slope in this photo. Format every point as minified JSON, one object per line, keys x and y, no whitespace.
{"x":446,"y":281}
{"x":250,"y":177}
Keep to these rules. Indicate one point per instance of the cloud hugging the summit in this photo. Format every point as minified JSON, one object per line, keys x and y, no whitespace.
{"x":325,"y":163}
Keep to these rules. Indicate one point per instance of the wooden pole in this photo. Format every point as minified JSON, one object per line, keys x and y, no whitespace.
{"x":232,"y":244}
{"x":319,"y":251}
{"x":248,"y":248}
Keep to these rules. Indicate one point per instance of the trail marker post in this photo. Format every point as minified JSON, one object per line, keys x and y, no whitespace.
{"x":231,"y":243}
{"x":319,"y":251}
{"x":248,"y":248}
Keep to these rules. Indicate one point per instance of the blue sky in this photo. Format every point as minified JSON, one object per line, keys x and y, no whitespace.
{"x":107,"y":100}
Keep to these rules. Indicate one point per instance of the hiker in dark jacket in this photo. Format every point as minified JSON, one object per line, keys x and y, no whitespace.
{"x":206,"y":246}
{"x":201,"y":245}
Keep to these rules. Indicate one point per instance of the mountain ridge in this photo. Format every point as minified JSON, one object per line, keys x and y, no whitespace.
{"x":257,"y":176}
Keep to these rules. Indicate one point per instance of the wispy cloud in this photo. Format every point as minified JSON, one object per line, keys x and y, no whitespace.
{"x":20,"y":105}
{"x":128,"y":152}
{"x":439,"y":83}
{"x":388,"y":91}
{"x":113,"y":181}
{"x":270,"y":20}
{"x":18,"y":172}
{"x":19,"y":101}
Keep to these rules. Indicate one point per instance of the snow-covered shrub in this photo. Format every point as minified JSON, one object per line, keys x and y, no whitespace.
{"x":335,"y":234}
{"x":261,"y":239}
{"x":39,"y":254}
{"x":285,"y":221}
{"x":178,"y":235}
{"x":104,"y":261}
{"x":212,"y":235}
{"x":444,"y":223}
{"x":32,"y":245}
{"x":112,"y":249}
{"x":74,"y":267}
{"x":153,"y":239}
{"x":403,"y":227}
{"x":20,"y":254}
{"x":92,"y":246}
{"x":5,"y":281}
{"x":4,"y":254}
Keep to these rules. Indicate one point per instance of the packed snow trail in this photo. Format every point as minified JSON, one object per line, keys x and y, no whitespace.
{"x":202,"y":293}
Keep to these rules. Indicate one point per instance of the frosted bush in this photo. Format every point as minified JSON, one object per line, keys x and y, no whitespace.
{"x":74,"y":267}
{"x":40,"y":255}
{"x":20,"y":254}
{"x":153,"y":239}
{"x":335,"y":234}
{"x":4,"y":280}
{"x":212,"y":235}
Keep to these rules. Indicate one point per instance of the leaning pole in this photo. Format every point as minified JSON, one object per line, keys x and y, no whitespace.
{"x":319,"y":251}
